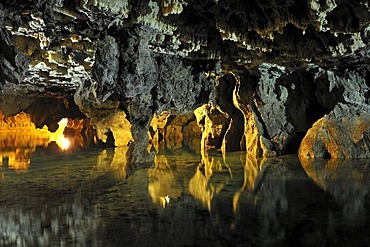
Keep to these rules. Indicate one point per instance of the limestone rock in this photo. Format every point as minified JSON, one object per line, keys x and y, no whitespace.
{"x":13,"y":63}
{"x":344,"y":133}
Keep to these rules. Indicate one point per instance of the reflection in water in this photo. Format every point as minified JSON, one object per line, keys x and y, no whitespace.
{"x":273,"y":202}
{"x":115,"y":162}
{"x":97,"y":198}
{"x":52,"y":206}
{"x":64,"y":224}
{"x":19,"y":138}
{"x":200,"y":185}
{"x":161,"y":182}
{"x":347,"y":180}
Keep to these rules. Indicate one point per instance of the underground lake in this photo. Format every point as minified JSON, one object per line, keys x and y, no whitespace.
{"x":54,"y":195}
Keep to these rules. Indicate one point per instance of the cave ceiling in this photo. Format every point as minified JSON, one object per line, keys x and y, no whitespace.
{"x":51,"y":45}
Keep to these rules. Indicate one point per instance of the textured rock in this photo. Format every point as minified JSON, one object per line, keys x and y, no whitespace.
{"x":344,"y":133}
{"x":104,"y":116}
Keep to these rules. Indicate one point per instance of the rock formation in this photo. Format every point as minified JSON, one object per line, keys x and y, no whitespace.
{"x":250,"y":75}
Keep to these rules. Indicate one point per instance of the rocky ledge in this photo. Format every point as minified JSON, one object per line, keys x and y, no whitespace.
{"x":216,"y":74}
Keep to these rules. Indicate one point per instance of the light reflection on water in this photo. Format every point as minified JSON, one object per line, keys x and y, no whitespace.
{"x":95,"y":198}
{"x":18,"y":143}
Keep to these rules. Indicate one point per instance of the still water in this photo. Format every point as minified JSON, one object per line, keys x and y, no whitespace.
{"x":90,"y":197}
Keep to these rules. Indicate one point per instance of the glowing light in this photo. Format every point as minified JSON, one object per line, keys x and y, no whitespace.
{"x":163,"y":200}
{"x":58,"y":135}
{"x":63,"y":143}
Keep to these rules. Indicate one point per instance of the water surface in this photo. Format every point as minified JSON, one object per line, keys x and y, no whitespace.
{"x":91,"y":197}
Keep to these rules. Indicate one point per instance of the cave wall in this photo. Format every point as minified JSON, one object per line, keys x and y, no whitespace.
{"x":250,"y":75}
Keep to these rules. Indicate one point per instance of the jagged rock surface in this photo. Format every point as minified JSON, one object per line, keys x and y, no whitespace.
{"x":344,"y":133}
{"x":267,"y":70}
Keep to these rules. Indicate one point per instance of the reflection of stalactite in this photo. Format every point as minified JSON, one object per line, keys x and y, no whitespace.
{"x":201,"y":186}
{"x":161,"y":185}
{"x":253,"y":168}
{"x":117,"y":163}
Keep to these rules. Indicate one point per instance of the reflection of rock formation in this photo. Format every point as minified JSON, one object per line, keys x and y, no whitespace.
{"x":18,"y":159}
{"x":227,"y":186}
{"x":172,"y":133}
{"x":203,"y":185}
{"x":252,"y":169}
{"x":273,"y":203}
{"x":162,"y":187}
{"x":115,"y":163}
{"x":19,"y":139}
{"x":347,"y":180}
{"x":215,"y":172}
{"x":71,"y":223}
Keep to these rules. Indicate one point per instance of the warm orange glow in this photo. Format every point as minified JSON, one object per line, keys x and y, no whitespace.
{"x":19,"y":138}
{"x":63,"y":143}
{"x":163,"y":200}
{"x":116,"y":164}
{"x":201,"y":185}
{"x":58,"y":136}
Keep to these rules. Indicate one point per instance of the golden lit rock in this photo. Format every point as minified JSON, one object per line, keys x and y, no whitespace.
{"x":171,"y":7}
{"x":338,"y":136}
{"x":157,"y":125}
{"x":104,"y":116}
{"x":212,"y":122}
{"x":58,"y":136}
{"x":256,"y":145}
{"x":19,"y":138}
{"x":192,"y":134}
{"x":173,"y":132}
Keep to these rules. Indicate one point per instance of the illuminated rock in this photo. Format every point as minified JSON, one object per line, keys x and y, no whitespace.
{"x":342,"y":134}
{"x":156,"y":131}
{"x":174,"y":133}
